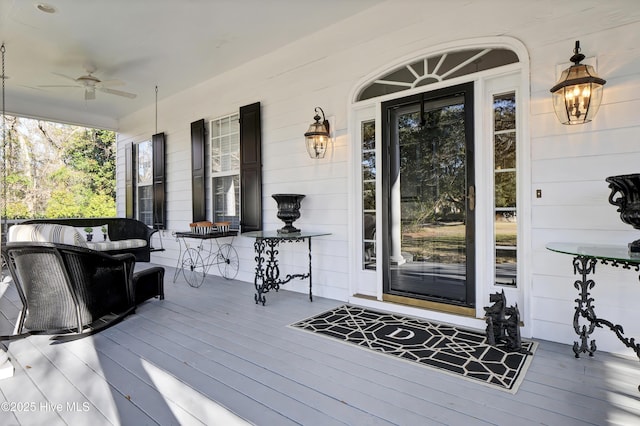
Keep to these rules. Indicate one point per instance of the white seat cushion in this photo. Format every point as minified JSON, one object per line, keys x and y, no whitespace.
{"x":115,"y":245}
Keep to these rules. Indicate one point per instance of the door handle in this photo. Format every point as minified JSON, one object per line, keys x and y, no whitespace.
{"x":472,"y":198}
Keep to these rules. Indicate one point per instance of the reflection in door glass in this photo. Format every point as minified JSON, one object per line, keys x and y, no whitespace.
{"x":428,"y":219}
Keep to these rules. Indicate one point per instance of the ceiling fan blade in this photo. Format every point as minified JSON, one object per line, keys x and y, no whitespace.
{"x":110,"y":83}
{"x":117,"y":92}
{"x":64,"y":76}
{"x":32,"y":88}
{"x":55,"y":85}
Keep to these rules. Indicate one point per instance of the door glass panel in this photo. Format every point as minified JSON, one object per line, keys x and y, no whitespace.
{"x":429,"y":189}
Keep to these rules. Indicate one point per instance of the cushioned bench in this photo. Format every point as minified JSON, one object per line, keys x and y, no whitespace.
{"x":72,"y":291}
{"x":123,"y":235}
{"x":147,"y":283}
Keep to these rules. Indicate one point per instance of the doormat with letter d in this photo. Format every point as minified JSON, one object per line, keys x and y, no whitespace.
{"x":450,"y":349}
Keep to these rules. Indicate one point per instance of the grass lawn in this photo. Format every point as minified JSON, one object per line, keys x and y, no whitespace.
{"x":446,"y":243}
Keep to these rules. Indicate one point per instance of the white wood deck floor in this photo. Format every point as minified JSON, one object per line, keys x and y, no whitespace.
{"x":212,"y":356}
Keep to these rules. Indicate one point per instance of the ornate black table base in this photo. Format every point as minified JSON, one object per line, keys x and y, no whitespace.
{"x":268,"y":271}
{"x":585,"y":320}
{"x":585,"y":308}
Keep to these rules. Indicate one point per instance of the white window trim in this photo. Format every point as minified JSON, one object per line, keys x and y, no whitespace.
{"x":213,"y":175}
{"x":138,"y":185}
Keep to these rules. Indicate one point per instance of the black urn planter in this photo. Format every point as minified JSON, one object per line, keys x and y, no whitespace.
{"x":628,"y":203}
{"x":288,"y":211}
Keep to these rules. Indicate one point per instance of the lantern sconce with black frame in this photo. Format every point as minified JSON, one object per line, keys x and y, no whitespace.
{"x":578,"y":93}
{"x":318,"y":136}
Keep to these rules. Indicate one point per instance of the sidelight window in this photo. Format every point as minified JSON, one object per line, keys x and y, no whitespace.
{"x":505,"y":189}
{"x":368,"y":170}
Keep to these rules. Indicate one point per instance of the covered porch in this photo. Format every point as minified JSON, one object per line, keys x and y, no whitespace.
{"x":210,"y":355}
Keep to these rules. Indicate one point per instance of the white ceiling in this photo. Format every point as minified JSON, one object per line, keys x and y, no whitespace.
{"x":174,"y":44}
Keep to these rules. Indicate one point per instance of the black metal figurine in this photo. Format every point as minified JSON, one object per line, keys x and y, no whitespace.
{"x":503,"y":323}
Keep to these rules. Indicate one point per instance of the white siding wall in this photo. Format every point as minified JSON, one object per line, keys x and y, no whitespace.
{"x":569,"y":164}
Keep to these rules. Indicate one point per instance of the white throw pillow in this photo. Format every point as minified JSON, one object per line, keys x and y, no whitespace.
{"x":46,"y":233}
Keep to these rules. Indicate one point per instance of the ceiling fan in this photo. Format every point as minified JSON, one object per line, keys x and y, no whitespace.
{"x":91,"y":83}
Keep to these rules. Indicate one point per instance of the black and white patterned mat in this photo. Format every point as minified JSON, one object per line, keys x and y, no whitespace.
{"x":452,"y":349}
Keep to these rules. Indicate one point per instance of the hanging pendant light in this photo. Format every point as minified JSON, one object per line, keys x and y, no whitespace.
{"x":317,"y":137}
{"x":578,"y":93}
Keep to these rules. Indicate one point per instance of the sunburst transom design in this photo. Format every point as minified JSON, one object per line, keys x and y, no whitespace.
{"x":437,"y":68}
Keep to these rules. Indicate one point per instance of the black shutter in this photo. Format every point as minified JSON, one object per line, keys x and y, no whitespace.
{"x":250,"y":168}
{"x":197,"y":171}
{"x":159,"y":211}
{"x":129,"y":171}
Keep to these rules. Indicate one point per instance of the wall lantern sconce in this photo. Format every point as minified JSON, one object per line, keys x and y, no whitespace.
{"x":317,"y":137}
{"x":578,"y":93}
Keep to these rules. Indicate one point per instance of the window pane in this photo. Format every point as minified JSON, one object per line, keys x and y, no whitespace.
{"x":505,"y":189}
{"x":505,"y":150}
{"x":235,"y":152}
{"x":145,"y":163}
{"x":215,"y":129}
{"x":215,"y":163}
{"x":369,"y":165}
{"x":369,"y":255}
{"x":506,"y":267}
{"x":225,"y":145}
{"x":225,"y":162}
{"x":145,"y":204}
{"x":224,"y":126}
{"x":504,"y":107}
{"x":234,"y":126}
{"x":226,"y":200}
{"x":369,"y":196}
{"x":506,"y":229}
{"x":369,"y":135}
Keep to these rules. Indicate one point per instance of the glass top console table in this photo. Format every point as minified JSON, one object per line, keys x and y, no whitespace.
{"x":267,"y":275}
{"x":585,"y":258}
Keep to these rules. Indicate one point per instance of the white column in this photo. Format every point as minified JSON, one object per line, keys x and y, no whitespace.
{"x":395,"y":222}
{"x":6,"y":368}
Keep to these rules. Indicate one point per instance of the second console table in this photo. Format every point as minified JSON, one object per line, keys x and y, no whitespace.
{"x":266,"y":247}
{"x":586,"y":256}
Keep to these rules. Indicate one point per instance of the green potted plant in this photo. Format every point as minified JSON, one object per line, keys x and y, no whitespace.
{"x":104,"y":232}
{"x":89,"y":231}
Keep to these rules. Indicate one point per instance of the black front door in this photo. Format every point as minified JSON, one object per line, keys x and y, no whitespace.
{"x":429,"y":196}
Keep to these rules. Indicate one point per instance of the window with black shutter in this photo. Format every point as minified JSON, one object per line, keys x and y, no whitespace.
{"x":145,"y":181}
{"x":235,"y":170}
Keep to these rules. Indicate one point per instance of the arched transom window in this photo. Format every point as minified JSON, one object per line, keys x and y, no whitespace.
{"x":437,"y":68}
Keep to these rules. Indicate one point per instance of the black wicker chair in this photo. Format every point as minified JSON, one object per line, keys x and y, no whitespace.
{"x":69,"y":291}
